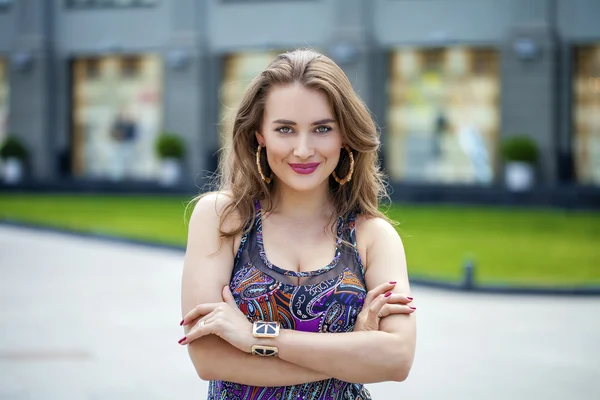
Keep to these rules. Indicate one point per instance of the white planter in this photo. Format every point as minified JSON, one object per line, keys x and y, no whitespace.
{"x":169,"y":173}
{"x":12,"y":171}
{"x":518,"y":176}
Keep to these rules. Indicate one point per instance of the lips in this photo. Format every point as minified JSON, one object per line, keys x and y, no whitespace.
{"x":305,"y":169}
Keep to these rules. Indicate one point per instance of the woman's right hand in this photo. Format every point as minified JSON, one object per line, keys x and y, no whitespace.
{"x":379,"y":303}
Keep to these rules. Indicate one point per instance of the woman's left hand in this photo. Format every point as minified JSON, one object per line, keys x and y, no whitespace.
{"x":222,"y":319}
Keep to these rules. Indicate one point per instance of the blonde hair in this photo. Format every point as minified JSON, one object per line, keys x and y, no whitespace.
{"x":238,"y":172}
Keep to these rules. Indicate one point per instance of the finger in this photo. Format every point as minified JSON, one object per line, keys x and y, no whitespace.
{"x":228,"y":297}
{"x":376,"y":307}
{"x":198,"y":311}
{"x":392,"y":309}
{"x":378,"y":290}
{"x":202,"y":328}
{"x":399,"y":298}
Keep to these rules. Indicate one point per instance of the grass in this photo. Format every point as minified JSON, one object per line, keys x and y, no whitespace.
{"x":515,"y":246}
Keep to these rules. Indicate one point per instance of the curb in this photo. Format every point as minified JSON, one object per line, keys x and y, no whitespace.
{"x":467,"y":285}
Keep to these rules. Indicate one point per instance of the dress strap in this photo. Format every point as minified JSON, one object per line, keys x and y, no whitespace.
{"x":248,"y":228}
{"x":351,"y":229}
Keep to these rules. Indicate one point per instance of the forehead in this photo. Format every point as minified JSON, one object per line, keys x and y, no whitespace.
{"x":298,"y":103}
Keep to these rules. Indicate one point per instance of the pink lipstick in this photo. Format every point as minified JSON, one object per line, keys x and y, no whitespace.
{"x":305,"y":169}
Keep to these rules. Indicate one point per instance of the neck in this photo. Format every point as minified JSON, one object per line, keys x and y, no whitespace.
{"x":302,"y":205}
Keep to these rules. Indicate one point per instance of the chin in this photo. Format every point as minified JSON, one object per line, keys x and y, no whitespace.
{"x":304,"y":184}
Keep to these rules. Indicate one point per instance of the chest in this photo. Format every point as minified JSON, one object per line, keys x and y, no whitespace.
{"x":298,"y":249}
{"x":330,"y":305}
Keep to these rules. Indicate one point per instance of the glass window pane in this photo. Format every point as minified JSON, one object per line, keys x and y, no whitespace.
{"x":116,"y":116}
{"x":586,"y":114}
{"x":443,"y":115}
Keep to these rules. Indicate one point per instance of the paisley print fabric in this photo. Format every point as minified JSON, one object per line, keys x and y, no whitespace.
{"x":325,"y":300}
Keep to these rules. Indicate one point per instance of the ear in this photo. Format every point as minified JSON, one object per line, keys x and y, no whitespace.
{"x":260,"y":139}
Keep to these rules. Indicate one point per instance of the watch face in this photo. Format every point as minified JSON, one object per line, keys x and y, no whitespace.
{"x":265,"y":329}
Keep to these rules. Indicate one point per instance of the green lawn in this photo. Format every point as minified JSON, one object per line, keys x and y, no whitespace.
{"x":533,"y":247}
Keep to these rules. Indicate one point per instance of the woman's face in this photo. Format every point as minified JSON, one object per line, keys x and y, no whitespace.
{"x":301,"y":136}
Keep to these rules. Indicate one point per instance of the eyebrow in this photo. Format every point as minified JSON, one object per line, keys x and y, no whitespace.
{"x":288,"y":122}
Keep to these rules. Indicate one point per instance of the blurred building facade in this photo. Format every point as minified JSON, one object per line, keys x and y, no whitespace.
{"x":89,"y":84}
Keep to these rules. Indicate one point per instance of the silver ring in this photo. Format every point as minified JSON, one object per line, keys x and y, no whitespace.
{"x":202,"y":323}
{"x":379,"y":314}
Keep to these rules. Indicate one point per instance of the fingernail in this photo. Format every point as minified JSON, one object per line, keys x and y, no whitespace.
{"x":414,"y":308}
{"x":181,"y":323}
{"x":393,"y":283}
{"x":388,"y":294}
{"x":182,"y":340}
{"x":410,"y":298}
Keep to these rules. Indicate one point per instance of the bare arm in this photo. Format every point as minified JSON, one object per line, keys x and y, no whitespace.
{"x":375,"y":356}
{"x":207,"y":269}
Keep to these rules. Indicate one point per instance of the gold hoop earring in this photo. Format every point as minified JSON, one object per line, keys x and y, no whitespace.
{"x":349,"y":175}
{"x":260,"y":172}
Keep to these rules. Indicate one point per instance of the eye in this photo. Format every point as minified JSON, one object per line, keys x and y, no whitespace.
{"x":284,"y":129}
{"x":323,"y":129}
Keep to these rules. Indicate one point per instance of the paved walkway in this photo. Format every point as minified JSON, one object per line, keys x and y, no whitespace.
{"x":88,"y":319}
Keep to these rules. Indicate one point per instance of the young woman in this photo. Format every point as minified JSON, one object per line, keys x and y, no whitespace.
{"x":294,"y":283}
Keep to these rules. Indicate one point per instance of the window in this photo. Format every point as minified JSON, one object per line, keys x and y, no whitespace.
{"x":92,"y":67}
{"x":116,"y":117}
{"x":586,"y":114}
{"x":433,"y":59}
{"x":443,"y":115}
{"x":130,"y":66}
{"x":109,"y":3}
{"x":483,"y":62}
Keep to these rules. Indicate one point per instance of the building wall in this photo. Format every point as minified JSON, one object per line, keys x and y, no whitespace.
{"x":203,"y":33}
{"x":7,"y":28}
{"x":266,"y":24}
{"x":577,"y":20}
{"x":455,"y":21}
{"x":100,"y":30}
{"x":30,"y":81}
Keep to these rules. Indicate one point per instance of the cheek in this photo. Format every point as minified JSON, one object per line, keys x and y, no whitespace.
{"x":276,"y":153}
{"x":333,"y":152}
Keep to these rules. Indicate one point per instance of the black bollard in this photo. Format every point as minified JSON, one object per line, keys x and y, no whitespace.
{"x":468,"y":282}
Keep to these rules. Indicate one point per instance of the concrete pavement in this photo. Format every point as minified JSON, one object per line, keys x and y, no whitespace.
{"x":88,"y":319}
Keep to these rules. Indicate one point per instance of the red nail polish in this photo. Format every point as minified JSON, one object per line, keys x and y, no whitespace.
{"x":414,"y":308}
{"x":181,"y":340}
{"x":388,"y":294}
{"x":181,"y":323}
{"x":410,"y":298}
{"x":393,"y":283}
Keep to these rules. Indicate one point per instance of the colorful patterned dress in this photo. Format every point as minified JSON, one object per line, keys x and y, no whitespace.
{"x":325,"y":300}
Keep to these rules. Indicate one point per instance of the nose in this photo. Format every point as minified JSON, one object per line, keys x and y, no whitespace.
{"x":303,"y":148}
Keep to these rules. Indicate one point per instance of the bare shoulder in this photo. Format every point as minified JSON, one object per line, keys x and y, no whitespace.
{"x":375,"y":235}
{"x":209,"y":210}
{"x":374,"y":229}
